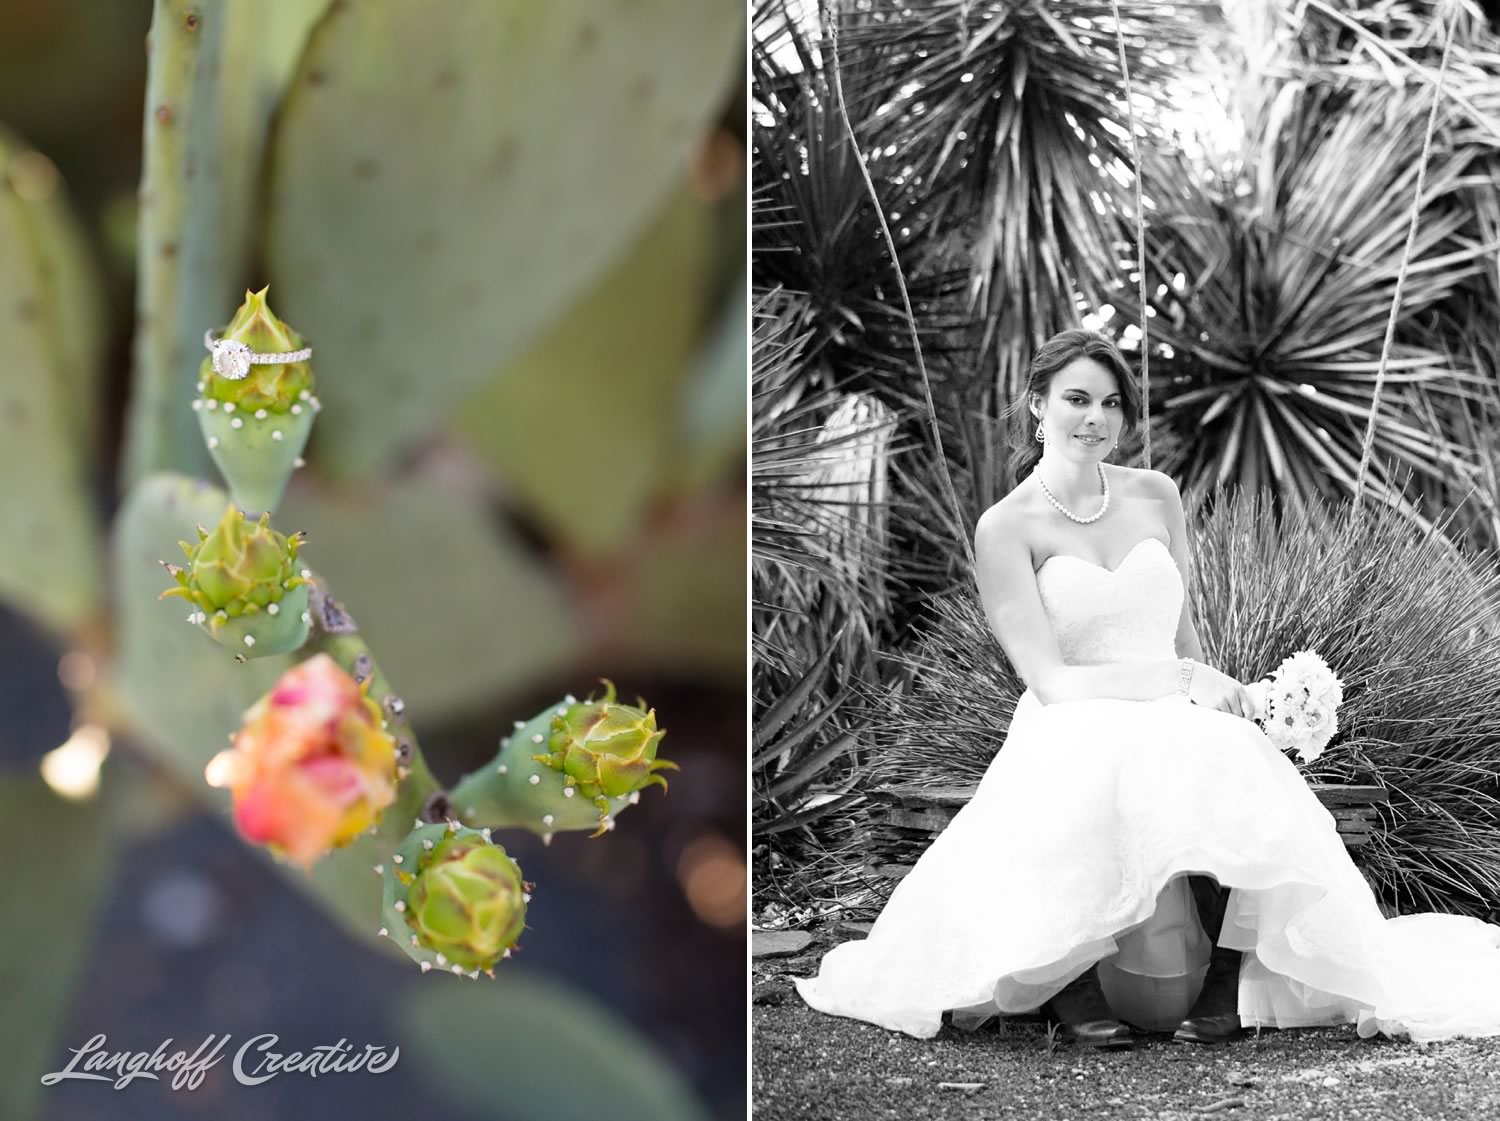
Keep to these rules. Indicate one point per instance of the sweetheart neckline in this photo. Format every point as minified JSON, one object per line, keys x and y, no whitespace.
{"x":1081,"y":560}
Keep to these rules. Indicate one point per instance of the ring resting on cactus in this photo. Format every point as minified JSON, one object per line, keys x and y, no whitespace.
{"x":232,"y":360}
{"x":256,"y":424}
{"x":246,"y":585}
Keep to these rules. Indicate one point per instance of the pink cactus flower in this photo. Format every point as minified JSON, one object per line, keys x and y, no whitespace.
{"x":311,"y":767}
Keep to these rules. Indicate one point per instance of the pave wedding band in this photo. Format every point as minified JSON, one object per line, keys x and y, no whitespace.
{"x":232,"y":360}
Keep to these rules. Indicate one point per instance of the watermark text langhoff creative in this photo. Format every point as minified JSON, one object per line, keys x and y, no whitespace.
{"x":257,"y":1060}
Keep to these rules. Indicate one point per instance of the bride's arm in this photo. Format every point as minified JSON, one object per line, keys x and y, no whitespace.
{"x":1188,"y":645}
{"x":1013,"y":606}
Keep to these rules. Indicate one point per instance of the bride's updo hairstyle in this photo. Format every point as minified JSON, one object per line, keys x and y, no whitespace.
{"x":1061,"y":349}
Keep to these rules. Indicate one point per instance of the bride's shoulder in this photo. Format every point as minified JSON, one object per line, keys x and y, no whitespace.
{"x":1007,"y":520}
{"x":1142,"y":482}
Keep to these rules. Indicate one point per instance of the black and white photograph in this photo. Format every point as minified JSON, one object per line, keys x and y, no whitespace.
{"x":1125,"y":559}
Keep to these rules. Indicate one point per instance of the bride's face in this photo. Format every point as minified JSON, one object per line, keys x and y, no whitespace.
{"x":1082,"y":415}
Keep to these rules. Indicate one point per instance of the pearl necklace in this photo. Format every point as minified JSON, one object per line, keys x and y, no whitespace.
{"x":1069,"y":513}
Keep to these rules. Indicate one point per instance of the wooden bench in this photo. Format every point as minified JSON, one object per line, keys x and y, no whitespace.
{"x":909,"y":817}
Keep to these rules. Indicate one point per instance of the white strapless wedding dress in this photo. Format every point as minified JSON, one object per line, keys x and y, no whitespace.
{"x":1075,"y":849}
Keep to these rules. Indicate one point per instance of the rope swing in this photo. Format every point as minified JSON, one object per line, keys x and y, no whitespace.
{"x":1411,"y":237}
{"x":831,"y":32}
{"x":1140,"y":237}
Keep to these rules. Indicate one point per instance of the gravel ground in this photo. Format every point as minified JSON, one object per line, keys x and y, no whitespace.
{"x":807,"y":1065}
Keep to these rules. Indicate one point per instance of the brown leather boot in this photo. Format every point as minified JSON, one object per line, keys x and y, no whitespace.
{"x":1085,"y":1015}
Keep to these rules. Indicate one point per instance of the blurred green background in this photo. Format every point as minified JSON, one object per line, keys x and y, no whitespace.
{"x":515,"y":235}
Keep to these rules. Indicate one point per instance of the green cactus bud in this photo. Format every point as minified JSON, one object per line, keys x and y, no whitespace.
{"x":574,"y":766}
{"x":608,"y":750}
{"x":256,"y":426}
{"x":453,"y":898}
{"x":246,"y":584}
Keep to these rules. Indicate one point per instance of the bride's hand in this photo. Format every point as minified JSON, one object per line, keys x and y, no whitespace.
{"x":1213,"y":689}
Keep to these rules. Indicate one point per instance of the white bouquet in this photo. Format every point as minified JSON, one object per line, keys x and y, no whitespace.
{"x":1297,"y":705}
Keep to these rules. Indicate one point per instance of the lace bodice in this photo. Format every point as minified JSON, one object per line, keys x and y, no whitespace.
{"x":1125,"y":614}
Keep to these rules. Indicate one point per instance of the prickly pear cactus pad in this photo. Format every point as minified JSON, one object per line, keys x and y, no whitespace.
{"x":68,"y":306}
{"x":453,"y":899}
{"x":249,"y":591}
{"x":615,"y":366}
{"x":256,"y":426}
{"x":312,"y":766}
{"x":449,"y":641}
{"x":496,"y":257}
{"x":214,"y":76}
{"x":446,"y":179}
{"x":49,"y":565}
{"x":574,"y":766}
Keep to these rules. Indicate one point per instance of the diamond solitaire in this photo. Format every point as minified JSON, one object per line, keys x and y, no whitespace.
{"x":232,"y":360}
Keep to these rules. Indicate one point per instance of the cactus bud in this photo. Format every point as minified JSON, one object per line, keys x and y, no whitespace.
{"x":311,"y":768}
{"x":245,"y":582}
{"x":607,"y":750}
{"x":257,"y":425}
{"x":575,"y":765}
{"x":463,"y":899}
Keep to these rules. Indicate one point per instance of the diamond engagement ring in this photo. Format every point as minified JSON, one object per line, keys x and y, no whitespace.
{"x":232,"y":360}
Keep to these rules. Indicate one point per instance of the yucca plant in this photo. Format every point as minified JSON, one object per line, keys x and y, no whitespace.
{"x":999,"y":127}
{"x":816,"y":231}
{"x":992,"y":139}
{"x":1408,"y":622}
{"x":819,"y":585}
{"x":1346,"y":33}
{"x":1271,"y":292}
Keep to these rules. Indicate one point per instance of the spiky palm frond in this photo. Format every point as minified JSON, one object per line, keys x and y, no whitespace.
{"x":799,"y":746}
{"x":819,"y":586}
{"x":1272,"y":289}
{"x":1346,"y":35}
{"x":1000,"y":125}
{"x":819,"y":460}
{"x":778,"y":525}
{"x":816,"y":234}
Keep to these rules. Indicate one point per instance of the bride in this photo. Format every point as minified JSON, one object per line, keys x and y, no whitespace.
{"x":1138,"y":850}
